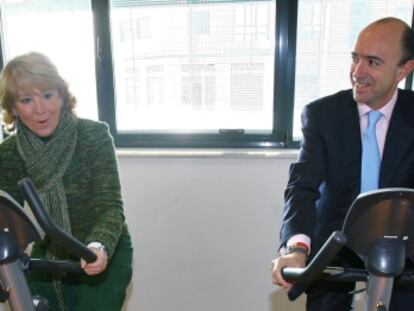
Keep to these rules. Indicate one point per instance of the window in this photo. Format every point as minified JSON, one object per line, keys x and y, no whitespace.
{"x":63,"y":30}
{"x":192,"y":73}
{"x":193,"y":66}
{"x":325,"y":38}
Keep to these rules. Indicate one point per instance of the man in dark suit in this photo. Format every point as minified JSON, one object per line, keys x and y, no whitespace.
{"x":325,"y":180}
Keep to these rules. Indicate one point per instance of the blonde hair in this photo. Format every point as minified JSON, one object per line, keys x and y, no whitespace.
{"x":27,"y":71}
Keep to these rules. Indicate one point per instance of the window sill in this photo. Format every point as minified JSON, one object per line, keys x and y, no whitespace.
{"x":206,"y":153}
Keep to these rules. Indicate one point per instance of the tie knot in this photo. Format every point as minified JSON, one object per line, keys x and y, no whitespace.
{"x":373,"y":117}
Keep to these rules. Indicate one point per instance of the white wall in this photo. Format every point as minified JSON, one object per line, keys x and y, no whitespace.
{"x":204,"y":231}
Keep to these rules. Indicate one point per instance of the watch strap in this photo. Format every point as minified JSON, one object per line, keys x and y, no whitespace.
{"x":99,"y":246}
{"x":295,"y":249}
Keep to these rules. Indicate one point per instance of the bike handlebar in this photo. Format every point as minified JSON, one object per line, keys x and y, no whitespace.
{"x":318,"y":270}
{"x":67,"y":241}
{"x":70,"y":266}
{"x":312,"y":271}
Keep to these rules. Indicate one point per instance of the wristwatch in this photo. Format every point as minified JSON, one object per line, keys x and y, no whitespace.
{"x":295,"y":248}
{"x":99,"y":246}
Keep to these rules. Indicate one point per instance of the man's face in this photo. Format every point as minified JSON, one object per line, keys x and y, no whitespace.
{"x":375,"y":70}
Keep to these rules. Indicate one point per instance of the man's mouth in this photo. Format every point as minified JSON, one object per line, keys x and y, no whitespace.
{"x":361,"y":86}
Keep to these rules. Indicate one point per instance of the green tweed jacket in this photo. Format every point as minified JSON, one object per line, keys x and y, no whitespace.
{"x":91,"y":182}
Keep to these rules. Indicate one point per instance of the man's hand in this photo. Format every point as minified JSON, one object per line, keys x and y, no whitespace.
{"x":294,"y":260}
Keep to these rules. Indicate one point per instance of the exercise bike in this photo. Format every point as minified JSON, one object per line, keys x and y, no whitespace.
{"x":379,"y":229}
{"x":17,"y":231}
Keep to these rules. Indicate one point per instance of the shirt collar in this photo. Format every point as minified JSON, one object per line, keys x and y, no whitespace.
{"x":386,"y":110}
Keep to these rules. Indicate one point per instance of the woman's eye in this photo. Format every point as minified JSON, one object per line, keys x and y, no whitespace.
{"x":25,"y":100}
{"x":48,"y":95}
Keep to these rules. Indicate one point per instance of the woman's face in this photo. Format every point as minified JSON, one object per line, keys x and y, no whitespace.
{"x":39,"y":109}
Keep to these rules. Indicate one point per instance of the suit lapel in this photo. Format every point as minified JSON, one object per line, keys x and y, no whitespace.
{"x":349,"y":140}
{"x":399,"y":140}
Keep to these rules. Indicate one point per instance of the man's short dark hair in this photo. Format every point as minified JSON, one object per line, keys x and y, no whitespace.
{"x":407,"y":40}
{"x":407,"y":45}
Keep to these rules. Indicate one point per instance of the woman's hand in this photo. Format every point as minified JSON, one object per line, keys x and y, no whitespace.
{"x":98,"y":265}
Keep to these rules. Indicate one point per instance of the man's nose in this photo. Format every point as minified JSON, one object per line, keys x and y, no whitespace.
{"x":359,"y":69}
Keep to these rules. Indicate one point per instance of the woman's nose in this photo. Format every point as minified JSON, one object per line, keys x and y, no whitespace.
{"x":38,"y":104}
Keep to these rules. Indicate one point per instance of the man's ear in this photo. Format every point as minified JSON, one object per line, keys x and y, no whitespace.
{"x":406,"y":69}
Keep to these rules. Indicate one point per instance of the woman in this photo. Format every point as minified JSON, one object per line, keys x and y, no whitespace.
{"x":73,"y":165}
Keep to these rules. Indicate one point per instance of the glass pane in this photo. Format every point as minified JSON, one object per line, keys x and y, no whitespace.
{"x":327,"y":31}
{"x":63,"y":30}
{"x":193,"y":67}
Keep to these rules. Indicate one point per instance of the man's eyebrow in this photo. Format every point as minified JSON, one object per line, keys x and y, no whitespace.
{"x":370,"y":57}
{"x":376,"y":58}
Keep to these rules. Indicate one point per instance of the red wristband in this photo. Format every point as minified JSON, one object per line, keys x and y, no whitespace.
{"x":300,"y":244}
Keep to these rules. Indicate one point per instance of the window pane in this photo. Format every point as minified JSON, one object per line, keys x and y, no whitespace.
{"x":61,"y":29}
{"x":325,"y":38}
{"x":193,"y":67}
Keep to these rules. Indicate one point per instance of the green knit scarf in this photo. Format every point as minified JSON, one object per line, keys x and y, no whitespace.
{"x":46,"y":161}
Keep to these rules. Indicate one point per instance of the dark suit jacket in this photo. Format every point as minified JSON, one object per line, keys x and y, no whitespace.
{"x":325,"y":180}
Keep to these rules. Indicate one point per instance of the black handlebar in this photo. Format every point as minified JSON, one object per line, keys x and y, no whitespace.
{"x":318,"y":270}
{"x":67,"y":241}
{"x":70,"y":266}
{"x":378,"y":228}
{"x":312,"y":271}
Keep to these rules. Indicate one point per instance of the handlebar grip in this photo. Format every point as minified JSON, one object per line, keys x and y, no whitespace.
{"x":70,"y":266}
{"x":297,"y":290}
{"x":67,"y":241}
{"x":293,"y":275}
{"x":305,"y":276}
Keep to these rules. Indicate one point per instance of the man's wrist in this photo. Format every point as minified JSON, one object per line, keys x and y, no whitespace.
{"x":296,"y":248}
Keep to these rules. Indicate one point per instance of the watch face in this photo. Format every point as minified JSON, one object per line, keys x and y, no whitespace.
{"x":292,"y":249}
{"x":102,"y":248}
{"x":99,"y":246}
